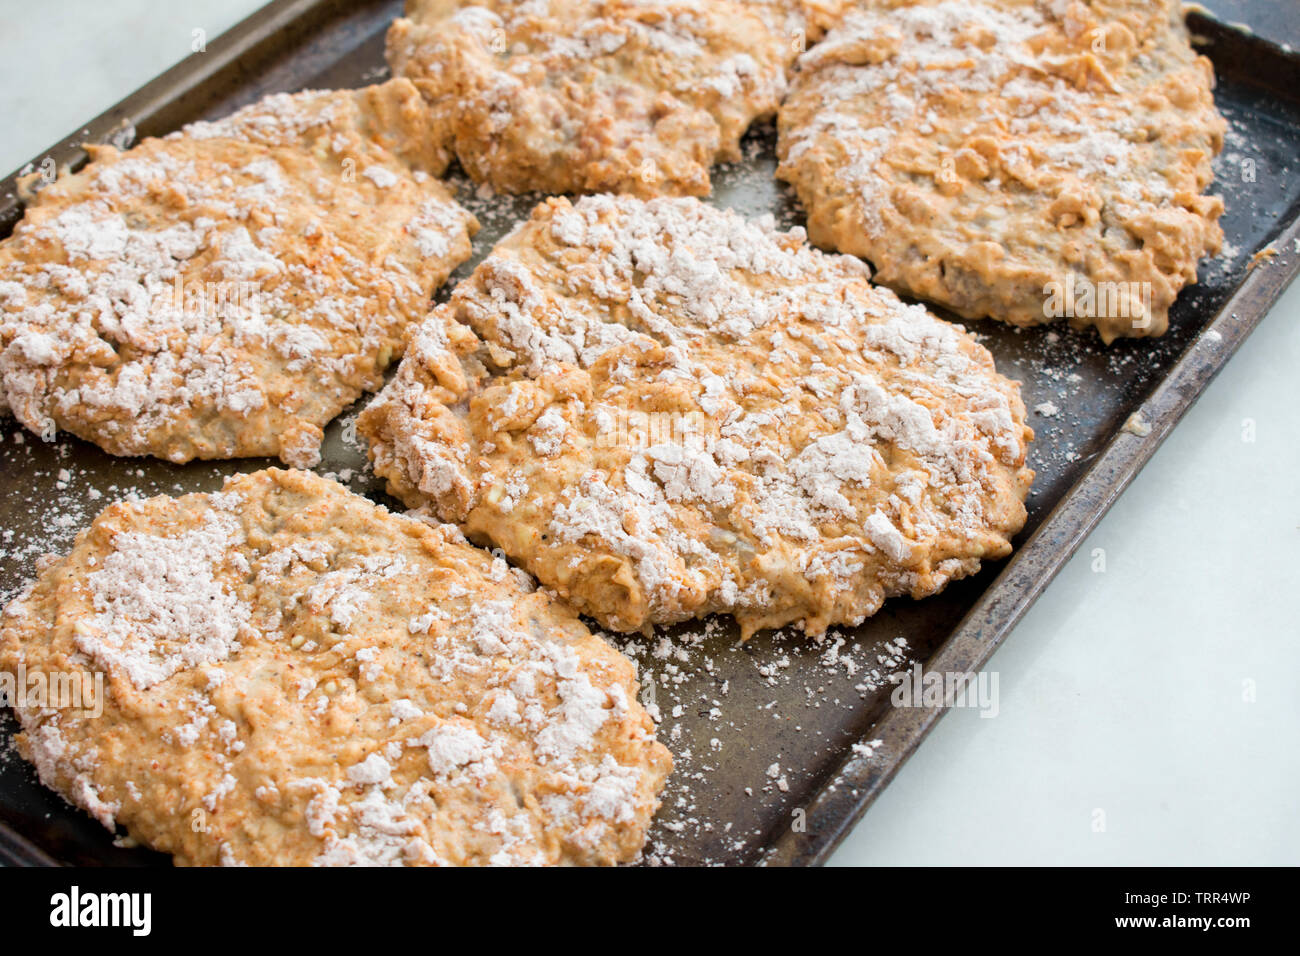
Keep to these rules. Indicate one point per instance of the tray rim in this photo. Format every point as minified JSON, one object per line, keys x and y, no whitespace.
{"x":224,"y":52}
{"x":848,"y":793}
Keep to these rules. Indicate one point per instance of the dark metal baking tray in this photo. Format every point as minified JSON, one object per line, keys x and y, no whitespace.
{"x":762,"y":733}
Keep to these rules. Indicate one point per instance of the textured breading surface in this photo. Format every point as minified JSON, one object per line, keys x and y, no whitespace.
{"x":662,"y":411}
{"x":386,"y":118}
{"x":1021,"y":160}
{"x":297,"y":676}
{"x":592,"y":96}
{"x":227,"y":290}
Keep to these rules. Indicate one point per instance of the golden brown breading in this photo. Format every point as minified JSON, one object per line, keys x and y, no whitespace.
{"x":1025,"y":160}
{"x":595,"y":96}
{"x":295,"y":676}
{"x":663,"y":411}
{"x":211,"y":296}
{"x":367,"y":122}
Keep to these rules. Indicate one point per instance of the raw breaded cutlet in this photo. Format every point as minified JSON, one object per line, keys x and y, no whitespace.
{"x":595,"y":96}
{"x":227,"y":290}
{"x":295,"y":676}
{"x":662,"y":411}
{"x":1023,"y":160}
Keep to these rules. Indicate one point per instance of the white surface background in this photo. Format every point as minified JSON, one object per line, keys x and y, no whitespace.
{"x":1122,"y":692}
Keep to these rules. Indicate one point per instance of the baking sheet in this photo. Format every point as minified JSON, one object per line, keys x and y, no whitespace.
{"x":762,"y":734}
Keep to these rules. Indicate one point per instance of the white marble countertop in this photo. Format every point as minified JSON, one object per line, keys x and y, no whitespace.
{"x":1148,"y":714}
